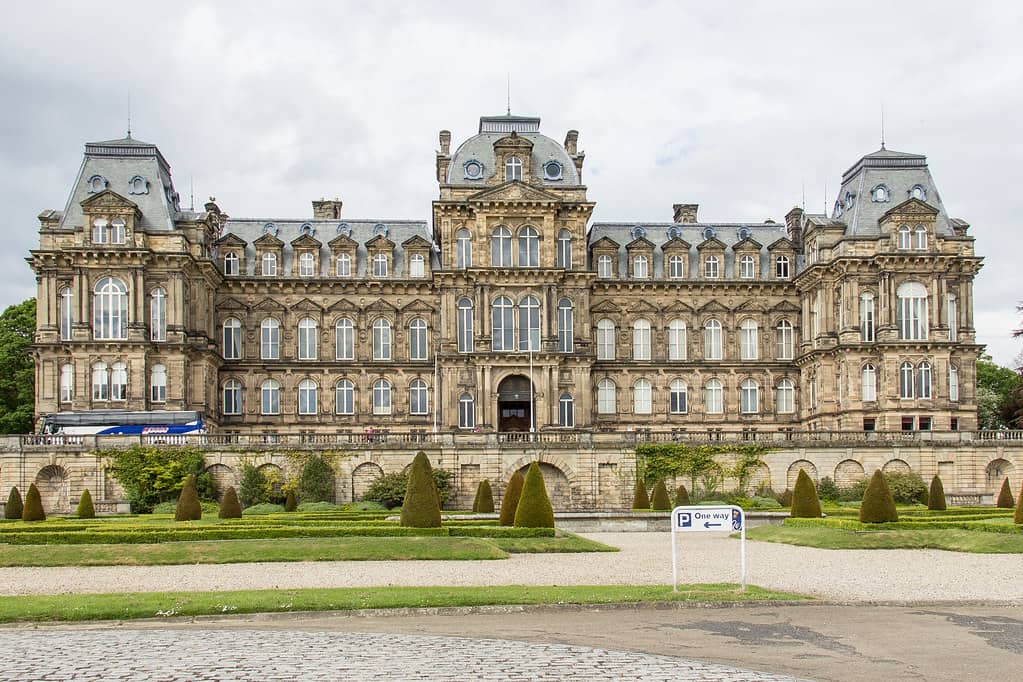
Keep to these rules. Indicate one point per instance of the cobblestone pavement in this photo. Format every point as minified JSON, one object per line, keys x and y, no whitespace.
{"x":289,"y":655}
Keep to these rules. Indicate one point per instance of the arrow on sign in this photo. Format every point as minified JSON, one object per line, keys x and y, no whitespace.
{"x":708,"y":524}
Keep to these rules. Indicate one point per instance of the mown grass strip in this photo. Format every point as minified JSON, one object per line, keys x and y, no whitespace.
{"x":883,"y":536}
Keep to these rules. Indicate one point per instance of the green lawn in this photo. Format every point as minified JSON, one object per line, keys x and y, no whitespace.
{"x":79,"y":607}
{"x":946,"y":538}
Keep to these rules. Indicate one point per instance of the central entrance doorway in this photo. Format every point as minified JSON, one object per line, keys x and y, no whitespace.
{"x":514,"y":409}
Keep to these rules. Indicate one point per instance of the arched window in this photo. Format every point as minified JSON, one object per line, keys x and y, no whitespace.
{"x":529,"y":324}
{"x":417,"y":265}
{"x":678,"y":397}
{"x":566,"y":322}
{"x":99,"y":231}
{"x":712,"y":340}
{"x":712,"y":403}
{"x":307,"y":397}
{"x":418,"y":339}
{"x":747,"y":267}
{"x":381,"y":396}
{"x":158,"y":315}
{"x":642,"y":401}
{"x":67,"y":315}
{"x":640,"y":267}
{"x":606,"y":397}
{"x":465,"y":325}
{"x":918,"y":192}
{"x":344,"y":339}
{"x":110,"y":310}
{"x":605,"y":340}
{"x":641,"y":340}
{"x":503,"y":331}
{"x":784,"y":340}
{"x":344,"y":265}
{"x":270,"y":339}
{"x":529,"y":248}
{"x":418,"y":397}
{"x":118,"y":234}
{"x":920,"y":238}
{"x":100,"y":381}
{"x":749,"y":397}
{"x":953,"y":383}
{"x":344,"y":397}
{"x":512,"y":169}
{"x":67,"y":383}
{"x":231,"y":263}
{"x":563,"y":257}
{"x":269,"y":263}
{"x":604,"y":269}
{"x":308,"y":335}
{"x":785,"y":401}
{"x":868,"y":383}
{"x":232,"y":400}
{"x":677,"y":340}
{"x":466,"y":411}
{"x":270,"y":397}
{"x":566,"y":411}
{"x":911,"y":312}
{"x":158,"y":384}
{"x":923,"y":374}
{"x":306,"y":265}
{"x":463,"y":249}
{"x":380,"y":265}
{"x":905,"y":237}
{"x":906,"y":386}
{"x":748,"y":340}
{"x":500,"y":247}
{"x":119,"y":381}
{"x":781,"y":267}
{"x":232,"y":346}
{"x":710,"y":267}
{"x":381,"y":339}
{"x":880,"y":194}
{"x":676,"y":267}
{"x":867,"y":317}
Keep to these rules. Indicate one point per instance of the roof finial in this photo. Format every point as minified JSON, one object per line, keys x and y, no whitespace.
{"x":825,"y":198}
{"x":191,"y":193}
{"x":129,"y":114}
{"x":882,"y":124}
{"x":804,"y":196}
{"x":509,"y":93}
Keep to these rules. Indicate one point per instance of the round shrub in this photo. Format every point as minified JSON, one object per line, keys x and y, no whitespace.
{"x":936,"y":495}
{"x":510,"y":501}
{"x":1005,"y":500}
{"x":290,"y":502}
{"x":85,"y":510}
{"x":640,"y":500}
{"x":878,"y":506}
{"x":188,"y":508}
{"x":660,"y":500}
{"x":485,"y":498}
{"x":388,"y":490}
{"x":316,"y":482}
{"x":229,"y":506}
{"x":33,"y":510}
{"x":534,"y":508}
{"x":682,"y":497}
{"x":805,"y":503}
{"x":421,"y":507}
{"x":827,"y":490}
{"x":263,"y":509}
{"x":906,"y":487}
{"x":14,"y":507}
{"x":314,"y":507}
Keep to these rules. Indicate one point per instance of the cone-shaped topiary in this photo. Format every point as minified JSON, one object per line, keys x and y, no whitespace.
{"x":1005,"y":500}
{"x":85,"y":510}
{"x":640,"y":500}
{"x":1018,"y":516}
{"x":229,"y":506}
{"x":485,"y":500}
{"x":878,"y":505}
{"x":805,"y":503}
{"x":510,"y":501}
{"x":188,"y":508}
{"x":14,"y":506}
{"x":682,"y":497}
{"x":421,"y":508}
{"x":936,"y":495}
{"x":660,"y":500}
{"x":534,"y":509}
{"x":33,"y":510}
{"x":290,"y":501}
{"x":476,"y":500}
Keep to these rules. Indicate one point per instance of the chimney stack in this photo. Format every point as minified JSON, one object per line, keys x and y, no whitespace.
{"x":445,"y":142}
{"x":685,"y":213}
{"x":327,"y":209}
{"x":572,"y":142}
{"x":794,"y":225}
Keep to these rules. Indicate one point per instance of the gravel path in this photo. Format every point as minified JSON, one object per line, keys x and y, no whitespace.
{"x":857,"y":575}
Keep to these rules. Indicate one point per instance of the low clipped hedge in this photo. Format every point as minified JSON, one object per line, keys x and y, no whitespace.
{"x":501,"y":532}
{"x":849,"y":524}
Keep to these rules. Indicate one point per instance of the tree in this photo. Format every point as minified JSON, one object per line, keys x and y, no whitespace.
{"x":640,"y":500}
{"x":998,"y":394}
{"x":189,"y":508}
{"x":1005,"y":500}
{"x":805,"y":503}
{"x":659,"y":500}
{"x":14,"y":506}
{"x":229,"y":506}
{"x":485,"y":498}
{"x":290,"y":501}
{"x":510,"y":501}
{"x":534,"y":508}
{"x":878,"y":506}
{"x":936,"y":495}
{"x":389,"y":489}
{"x":682,"y":497}
{"x":252,"y":485}
{"x":17,"y":370}
{"x":152,"y":474}
{"x":33,"y":510}
{"x":85,"y":510}
{"x":316,"y":482}
{"x":421,"y":508}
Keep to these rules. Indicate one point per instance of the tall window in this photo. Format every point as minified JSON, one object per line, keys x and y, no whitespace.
{"x":906,"y":386}
{"x":905,"y":237}
{"x":712,"y":400}
{"x":232,"y":400}
{"x":676,"y":267}
{"x":952,"y":313}
{"x":231,"y":263}
{"x":158,"y":384}
{"x":923,"y":375}
{"x":344,"y":265}
{"x":784,"y":340}
{"x":953,"y":383}
{"x":785,"y":402}
{"x":417,"y":265}
{"x":911,"y":312}
{"x":605,"y":340}
{"x":110,"y":308}
{"x":466,"y":411}
{"x":781,"y":267}
{"x":512,"y":169}
{"x":305,"y":265}
{"x":67,"y":318}
{"x":463,"y":249}
{"x":868,"y":383}
{"x":381,"y":340}
{"x":642,"y":402}
{"x":118,"y":234}
{"x":99,"y":231}
{"x":712,"y":340}
{"x":307,"y":397}
{"x":417,"y":339}
{"x":747,"y":267}
{"x":380,"y":265}
{"x":710,"y":267}
{"x":119,"y":381}
{"x":867,"y":317}
{"x":418,"y":397}
{"x":465,"y":326}
{"x":748,"y":341}
{"x":604,"y":269}
{"x":641,"y":340}
{"x":640,"y":267}
{"x":563,"y":257}
{"x":678,"y":397}
{"x":566,"y":322}
{"x":606,"y":399}
{"x":270,"y":339}
{"x":158,"y":315}
{"x":566,"y":411}
{"x":232,"y":346}
{"x":749,"y":397}
{"x":381,"y":396}
{"x":344,"y":397}
{"x":308,"y":333}
{"x":269,"y":263}
{"x":270,"y":397}
{"x":344,"y":339}
{"x":503,"y":324}
{"x":500,"y":247}
{"x":100,"y":381}
{"x":920,"y":238}
{"x":67,"y":383}
{"x":677,"y":340}
{"x":529,"y":248}
{"x":529,"y":324}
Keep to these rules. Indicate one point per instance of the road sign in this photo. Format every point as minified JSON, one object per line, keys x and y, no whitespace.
{"x":696,"y":519}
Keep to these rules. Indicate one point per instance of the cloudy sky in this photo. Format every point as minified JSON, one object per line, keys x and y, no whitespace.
{"x":735,"y":106}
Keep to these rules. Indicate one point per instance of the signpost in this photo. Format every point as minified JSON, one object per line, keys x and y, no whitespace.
{"x":725,"y":519}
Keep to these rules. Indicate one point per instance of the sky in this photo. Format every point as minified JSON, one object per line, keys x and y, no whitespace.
{"x":743,"y":108}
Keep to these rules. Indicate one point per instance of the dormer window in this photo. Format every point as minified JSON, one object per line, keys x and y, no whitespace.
{"x":838,"y":208}
{"x":638,"y":232}
{"x":742,"y":233}
{"x":879,"y":194}
{"x":512,"y":169}
{"x":604,"y":270}
{"x":270,"y":228}
{"x":138,"y":185}
{"x":640,"y":268}
{"x":848,"y":200}
{"x":99,"y":231}
{"x":118,"y":233}
{"x":552,"y":170}
{"x":345,"y":229}
{"x":417,"y":265}
{"x":473,"y":170}
{"x":305,"y":265}
{"x":97,"y":183}
{"x":269,"y":265}
{"x":708,"y":233}
{"x":674,"y":233}
{"x":380,"y":265}
{"x":380,"y":229}
{"x":231,"y":263}
{"x":307,"y":229}
{"x":918,"y":192}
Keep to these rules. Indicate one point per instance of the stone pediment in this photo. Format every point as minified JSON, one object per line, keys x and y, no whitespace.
{"x":381,"y":306}
{"x":606,"y":307}
{"x":747,"y":244}
{"x":380,"y":242}
{"x":514,"y":190}
{"x":416,"y":242}
{"x":676,"y":244}
{"x":307,"y":305}
{"x":418,"y":306}
{"x":306,"y":241}
{"x":231,"y":239}
{"x":911,"y":208}
{"x":342,"y":242}
{"x":644,"y":306}
{"x":713,"y":244}
{"x":713,"y":306}
{"x":679,"y":307}
{"x":640,"y":243}
{"x":270,"y":305}
{"x":231,"y":303}
{"x":751,"y":305}
{"x":108,"y":199}
{"x":513,"y":141}
{"x":343,"y":306}
{"x":270,"y":241}
{"x":605,"y":243}
{"x":785,"y":307}
{"x":783,"y":244}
